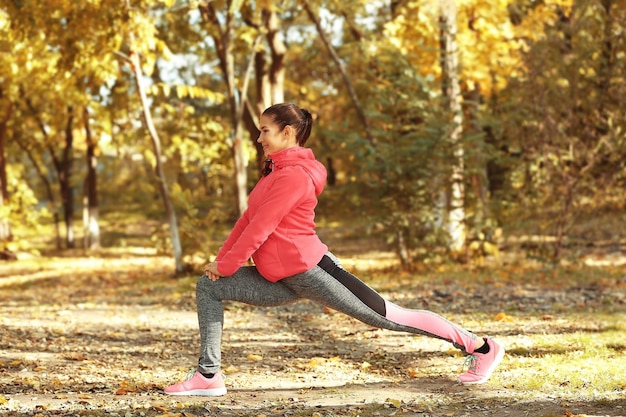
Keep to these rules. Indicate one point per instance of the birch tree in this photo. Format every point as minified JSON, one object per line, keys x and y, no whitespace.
{"x":5,"y":113}
{"x":223,"y":35}
{"x":156,"y":144}
{"x":455,"y":223}
{"x":91,"y":227}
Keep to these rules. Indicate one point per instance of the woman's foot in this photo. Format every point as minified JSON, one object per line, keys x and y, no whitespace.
{"x":197,"y":384}
{"x":482,"y":365}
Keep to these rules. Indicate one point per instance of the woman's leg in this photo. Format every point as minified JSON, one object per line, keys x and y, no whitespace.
{"x":331,"y":285}
{"x":246,"y":286}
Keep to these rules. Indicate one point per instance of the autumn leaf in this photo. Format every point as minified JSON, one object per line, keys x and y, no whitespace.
{"x":160,"y":408}
{"x":125,"y":388}
{"x":393,"y":402}
{"x":503,"y":317}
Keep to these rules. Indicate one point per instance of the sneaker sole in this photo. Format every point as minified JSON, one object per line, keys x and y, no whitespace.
{"x":492,"y":368}
{"x":215,"y":392}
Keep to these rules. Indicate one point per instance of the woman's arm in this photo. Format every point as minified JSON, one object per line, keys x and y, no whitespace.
{"x":290,"y":186}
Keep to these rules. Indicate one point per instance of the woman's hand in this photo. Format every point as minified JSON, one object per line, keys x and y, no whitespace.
{"x":210,"y":270}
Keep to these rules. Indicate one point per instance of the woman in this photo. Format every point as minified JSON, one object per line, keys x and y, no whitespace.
{"x":291,"y":263}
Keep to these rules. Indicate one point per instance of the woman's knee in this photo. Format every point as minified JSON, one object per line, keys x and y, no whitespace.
{"x":217,"y":289}
{"x":203,"y":284}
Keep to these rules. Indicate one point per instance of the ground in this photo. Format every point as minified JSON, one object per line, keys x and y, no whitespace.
{"x":102,"y":335}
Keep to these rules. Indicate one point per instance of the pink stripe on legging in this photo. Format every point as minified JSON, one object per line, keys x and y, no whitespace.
{"x":431,"y":323}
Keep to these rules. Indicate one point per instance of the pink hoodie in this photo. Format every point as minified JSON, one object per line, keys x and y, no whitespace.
{"x":278,"y":228}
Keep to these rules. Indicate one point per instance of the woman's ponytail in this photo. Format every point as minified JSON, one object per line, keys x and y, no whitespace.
{"x":304,"y":130}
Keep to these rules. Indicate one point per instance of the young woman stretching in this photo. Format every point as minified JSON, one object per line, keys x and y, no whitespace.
{"x":291,"y":262}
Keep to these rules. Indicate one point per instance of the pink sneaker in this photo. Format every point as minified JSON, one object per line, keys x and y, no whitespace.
{"x":482,"y":365}
{"x":197,"y":384}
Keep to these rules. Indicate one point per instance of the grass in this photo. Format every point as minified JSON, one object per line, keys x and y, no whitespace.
{"x":564,"y":328}
{"x":579,"y":365}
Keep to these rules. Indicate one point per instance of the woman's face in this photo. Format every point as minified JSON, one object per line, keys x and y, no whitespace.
{"x":272,"y":139}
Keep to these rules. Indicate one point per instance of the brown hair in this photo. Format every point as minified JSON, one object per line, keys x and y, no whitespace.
{"x":288,"y":114}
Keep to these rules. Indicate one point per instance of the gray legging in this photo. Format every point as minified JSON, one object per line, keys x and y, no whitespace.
{"x":327,"y":284}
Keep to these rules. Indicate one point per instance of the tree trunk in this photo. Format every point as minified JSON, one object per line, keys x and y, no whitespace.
{"x":344,"y":75}
{"x":251,"y":122}
{"x":40,"y":172}
{"x":608,"y":57}
{"x":278,"y":51}
{"x":91,"y":226}
{"x":241,"y":159}
{"x":160,"y":174}
{"x":5,"y":114}
{"x":270,"y":82}
{"x":223,"y":45}
{"x":263,"y":88}
{"x":234,"y":101}
{"x":63,"y":167}
{"x":47,"y":186}
{"x":456,"y":214}
{"x":237,"y":101}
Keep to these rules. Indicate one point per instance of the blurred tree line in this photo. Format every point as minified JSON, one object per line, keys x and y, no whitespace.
{"x":440,"y":122}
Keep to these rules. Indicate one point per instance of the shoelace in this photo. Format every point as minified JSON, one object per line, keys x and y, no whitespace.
{"x":191,"y":373}
{"x":470,"y":362}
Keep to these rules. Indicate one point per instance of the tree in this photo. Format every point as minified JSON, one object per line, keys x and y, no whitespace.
{"x":91,"y":228}
{"x":340,"y":68}
{"x":5,"y":115}
{"x":141,"y":24}
{"x":570,"y":121}
{"x":456,"y":214}
{"x":51,"y":46}
{"x":269,"y":78}
{"x":62,"y":162}
{"x":236,"y":98}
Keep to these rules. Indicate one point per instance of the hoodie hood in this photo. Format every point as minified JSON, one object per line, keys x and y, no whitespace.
{"x":304,"y":158}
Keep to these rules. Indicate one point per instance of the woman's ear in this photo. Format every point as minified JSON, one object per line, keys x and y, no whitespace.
{"x":288,"y":131}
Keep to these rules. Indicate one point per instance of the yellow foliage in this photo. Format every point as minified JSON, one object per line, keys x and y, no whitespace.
{"x":490,"y":44}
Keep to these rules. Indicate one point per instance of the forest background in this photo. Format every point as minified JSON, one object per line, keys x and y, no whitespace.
{"x":475,"y":152}
{"x":444,"y":125}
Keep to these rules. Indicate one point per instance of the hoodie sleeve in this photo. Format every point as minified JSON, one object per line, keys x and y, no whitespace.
{"x":289,"y":187}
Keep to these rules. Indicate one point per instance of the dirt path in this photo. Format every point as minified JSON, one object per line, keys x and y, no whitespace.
{"x":112,"y":358}
{"x":105,"y":337}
